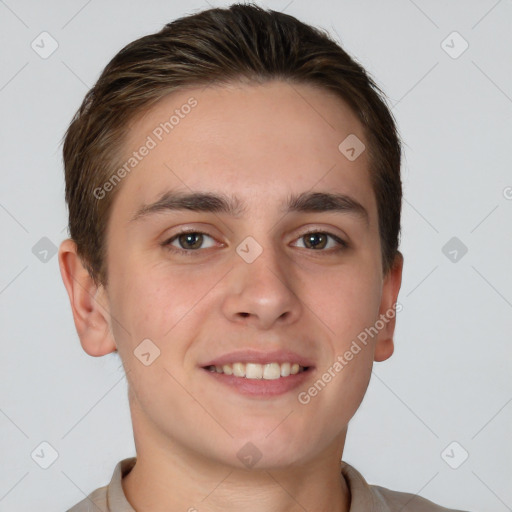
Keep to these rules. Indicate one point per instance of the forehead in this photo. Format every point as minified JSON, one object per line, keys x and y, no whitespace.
{"x":255,"y":142}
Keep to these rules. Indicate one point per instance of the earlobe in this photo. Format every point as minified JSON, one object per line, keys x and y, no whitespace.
{"x":383,"y":350}
{"x":384,"y":346}
{"x":88,"y":304}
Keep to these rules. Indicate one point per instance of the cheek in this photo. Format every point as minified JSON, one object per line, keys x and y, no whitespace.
{"x":346,"y":302}
{"x":158,"y":302}
{"x":150,"y":306}
{"x":357,"y":299}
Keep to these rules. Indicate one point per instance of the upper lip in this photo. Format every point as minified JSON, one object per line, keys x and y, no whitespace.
{"x":257,"y":356}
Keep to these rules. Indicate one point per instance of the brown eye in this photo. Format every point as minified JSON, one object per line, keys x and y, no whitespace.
{"x":318,"y":240}
{"x":189,"y":242}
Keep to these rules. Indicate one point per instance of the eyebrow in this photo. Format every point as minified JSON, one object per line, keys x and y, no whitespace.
{"x":306,"y":202}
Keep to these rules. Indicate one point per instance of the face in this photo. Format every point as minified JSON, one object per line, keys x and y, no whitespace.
{"x":302,"y":283}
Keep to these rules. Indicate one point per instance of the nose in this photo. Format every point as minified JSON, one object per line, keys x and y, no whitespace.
{"x":262,"y":292}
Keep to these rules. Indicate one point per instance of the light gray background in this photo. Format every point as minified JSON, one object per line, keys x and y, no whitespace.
{"x":449,"y":379}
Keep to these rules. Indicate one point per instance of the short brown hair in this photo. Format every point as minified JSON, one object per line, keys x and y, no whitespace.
{"x":217,"y":46}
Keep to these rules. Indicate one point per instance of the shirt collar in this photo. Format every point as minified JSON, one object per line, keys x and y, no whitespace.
{"x":116,"y":499}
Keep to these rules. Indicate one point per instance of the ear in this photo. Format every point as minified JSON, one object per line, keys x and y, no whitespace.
{"x":89,"y":303}
{"x":387,"y":312}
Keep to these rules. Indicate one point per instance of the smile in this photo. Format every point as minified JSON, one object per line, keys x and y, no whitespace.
{"x":268,"y":371}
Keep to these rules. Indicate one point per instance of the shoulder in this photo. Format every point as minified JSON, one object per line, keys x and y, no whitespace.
{"x":405,"y":502}
{"x":365,"y":497}
{"x":95,"y":502}
{"x":109,"y":498}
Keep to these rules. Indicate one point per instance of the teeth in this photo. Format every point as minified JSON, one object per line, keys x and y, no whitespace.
{"x":238,"y":370}
{"x":253,"y":371}
{"x":272,"y":371}
{"x":285,"y":369}
{"x":269,"y":371}
{"x":227,"y":369}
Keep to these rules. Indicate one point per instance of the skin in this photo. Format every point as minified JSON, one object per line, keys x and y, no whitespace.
{"x":259,"y":143}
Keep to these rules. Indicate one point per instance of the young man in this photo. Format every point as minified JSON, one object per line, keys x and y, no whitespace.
{"x":234,"y":194}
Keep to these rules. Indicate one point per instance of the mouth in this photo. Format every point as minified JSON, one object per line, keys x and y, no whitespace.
{"x":260,"y":381}
{"x":259,"y":374}
{"x":267,"y":371}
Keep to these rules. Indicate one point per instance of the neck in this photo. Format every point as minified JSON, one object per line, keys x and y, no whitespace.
{"x":169,"y":476}
{"x":171,"y":481}
{"x":166,"y":488}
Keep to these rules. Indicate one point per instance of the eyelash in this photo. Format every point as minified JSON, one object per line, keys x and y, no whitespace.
{"x":342,"y":245}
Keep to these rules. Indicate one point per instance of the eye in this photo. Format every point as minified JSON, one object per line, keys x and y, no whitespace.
{"x":319,"y":239}
{"x":189,"y":241}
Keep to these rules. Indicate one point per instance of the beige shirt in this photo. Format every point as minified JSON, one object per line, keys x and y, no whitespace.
{"x":364,"y":497}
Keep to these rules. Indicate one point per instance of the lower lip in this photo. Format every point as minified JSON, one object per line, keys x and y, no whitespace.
{"x":262,"y":387}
